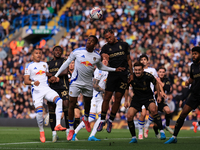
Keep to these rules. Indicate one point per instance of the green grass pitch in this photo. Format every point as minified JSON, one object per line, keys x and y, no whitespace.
{"x":24,"y":138}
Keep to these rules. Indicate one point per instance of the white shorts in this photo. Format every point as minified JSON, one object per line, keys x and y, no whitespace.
{"x":96,"y":104}
{"x":39,"y":95}
{"x":75,"y":90}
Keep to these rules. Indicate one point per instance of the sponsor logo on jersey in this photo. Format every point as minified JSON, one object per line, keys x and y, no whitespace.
{"x":86,"y":63}
{"x":94,"y":58}
{"x":40,"y":72}
{"x":35,"y":68}
{"x":44,"y":66}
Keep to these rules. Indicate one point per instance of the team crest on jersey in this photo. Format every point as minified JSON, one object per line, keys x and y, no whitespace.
{"x":110,"y":49}
{"x":70,"y":92}
{"x":144,"y":83}
{"x":44,"y":66}
{"x":120,"y":47}
{"x":94,"y":105}
{"x":94,"y":58}
{"x":56,"y":64}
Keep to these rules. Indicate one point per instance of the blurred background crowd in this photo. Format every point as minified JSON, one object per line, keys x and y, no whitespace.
{"x":165,"y":30}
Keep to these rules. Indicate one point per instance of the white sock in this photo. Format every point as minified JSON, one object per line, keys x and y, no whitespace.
{"x":53,"y":132}
{"x":134,"y":137}
{"x":173,"y":136}
{"x":140,"y":126}
{"x":92,"y":117}
{"x":71,"y":127}
{"x":80,"y":126}
{"x":110,"y":120}
{"x":197,"y":124}
{"x":94,"y":130}
{"x":58,"y":102}
{"x":149,"y":121}
{"x":162,"y":131}
{"x":40,"y":118}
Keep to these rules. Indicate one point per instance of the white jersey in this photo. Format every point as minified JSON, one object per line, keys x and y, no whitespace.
{"x":154,"y":73}
{"x":84,"y":65}
{"x":37,"y":72}
{"x":102,"y":77}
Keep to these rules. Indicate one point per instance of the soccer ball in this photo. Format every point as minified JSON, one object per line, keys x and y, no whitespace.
{"x":96,"y":13}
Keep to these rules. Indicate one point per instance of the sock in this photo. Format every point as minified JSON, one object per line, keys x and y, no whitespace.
{"x":52,"y":119}
{"x":179,"y":124}
{"x":155,"y":128}
{"x":167,"y":118}
{"x":198,"y":123}
{"x":79,"y":127}
{"x":94,"y":130}
{"x":86,"y":116}
{"x":76,"y":122}
{"x":53,"y":132}
{"x":140,"y":126}
{"x":131,"y":127}
{"x":149,"y":121}
{"x":134,"y":137}
{"x":92,"y":117}
{"x":112,"y":116}
{"x":158,"y":121}
{"x":71,"y":124}
{"x":103,"y":116}
{"x":66,"y":117}
{"x":39,"y":118}
{"x":58,"y":102}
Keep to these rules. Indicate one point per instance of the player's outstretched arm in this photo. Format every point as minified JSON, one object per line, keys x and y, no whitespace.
{"x":64,"y":66}
{"x":100,"y":66}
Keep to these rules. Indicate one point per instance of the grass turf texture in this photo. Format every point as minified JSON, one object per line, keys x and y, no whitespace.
{"x":22,"y":138}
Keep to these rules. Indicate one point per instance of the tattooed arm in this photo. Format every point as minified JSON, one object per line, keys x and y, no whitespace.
{"x":96,"y":86}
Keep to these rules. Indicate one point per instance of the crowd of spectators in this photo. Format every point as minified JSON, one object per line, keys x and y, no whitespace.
{"x":12,"y":9}
{"x":165,"y":30}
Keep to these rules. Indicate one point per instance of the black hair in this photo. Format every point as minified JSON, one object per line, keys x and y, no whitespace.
{"x":196,"y":49}
{"x":138,"y":64}
{"x":96,"y":39}
{"x":161,"y":67}
{"x":108,"y":30}
{"x":58,"y":47}
{"x":143,"y":55}
{"x":36,"y":49}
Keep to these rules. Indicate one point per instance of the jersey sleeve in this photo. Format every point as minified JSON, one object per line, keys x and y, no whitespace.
{"x":191,"y":74}
{"x":27,"y":70}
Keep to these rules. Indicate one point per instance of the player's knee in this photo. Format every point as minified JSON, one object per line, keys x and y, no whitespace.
{"x":129,"y":117}
{"x":153,"y":111}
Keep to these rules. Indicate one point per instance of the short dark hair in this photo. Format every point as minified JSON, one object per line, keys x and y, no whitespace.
{"x":96,"y":39}
{"x":161,"y":67}
{"x":108,"y":30}
{"x":36,"y":49}
{"x":58,"y":47}
{"x":196,"y":49}
{"x":143,"y":55}
{"x":138,"y":64}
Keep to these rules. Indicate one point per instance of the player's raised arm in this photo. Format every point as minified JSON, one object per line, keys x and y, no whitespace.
{"x":100,"y":66}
